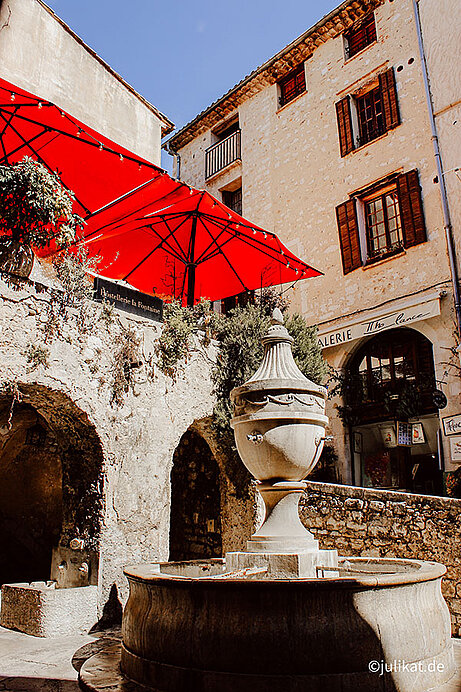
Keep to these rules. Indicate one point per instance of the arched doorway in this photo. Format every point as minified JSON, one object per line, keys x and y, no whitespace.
{"x":195,"y":516}
{"x":390,"y":409}
{"x":51,"y":464}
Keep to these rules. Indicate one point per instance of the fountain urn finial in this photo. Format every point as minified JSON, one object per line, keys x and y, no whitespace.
{"x":279,"y":426}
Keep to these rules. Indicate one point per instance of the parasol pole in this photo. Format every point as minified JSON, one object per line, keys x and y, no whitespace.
{"x":191,"y":264}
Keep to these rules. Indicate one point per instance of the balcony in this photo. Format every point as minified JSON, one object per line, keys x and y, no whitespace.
{"x":222,"y":154}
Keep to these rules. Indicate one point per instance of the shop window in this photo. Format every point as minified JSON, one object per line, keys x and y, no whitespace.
{"x":361,"y":36}
{"x":382,"y":222}
{"x":364,"y":116}
{"x":292,"y":85}
{"x":233,"y":199}
{"x":388,"y":404}
{"x":392,"y":370}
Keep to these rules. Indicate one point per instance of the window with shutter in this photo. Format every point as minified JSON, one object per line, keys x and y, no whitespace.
{"x":346,"y":136}
{"x":376,"y":109}
{"x":292,"y":85}
{"x":361,"y":36}
{"x":348,"y":228}
{"x":411,"y":209}
{"x":391,"y":220}
{"x":390,"y":105}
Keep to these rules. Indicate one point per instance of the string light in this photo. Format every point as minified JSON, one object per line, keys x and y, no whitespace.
{"x":265,"y":235}
{"x":79,"y":132}
{"x":121,"y":157}
{"x":237,"y":226}
{"x":63,"y":115}
{"x":13,"y":96}
{"x":229,"y":216}
{"x":254,"y":232}
{"x":39,"y":104}
{"x":288,"y":265}
{"x":101,"y":146}
{"x":191,"y":192}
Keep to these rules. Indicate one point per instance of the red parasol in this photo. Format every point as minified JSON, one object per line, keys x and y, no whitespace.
{"x":158,"y":234}
{"x":96,"y":169}
{"x":184,"y":243}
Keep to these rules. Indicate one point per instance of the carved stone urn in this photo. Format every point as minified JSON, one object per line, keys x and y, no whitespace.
{"x":279,"y":426}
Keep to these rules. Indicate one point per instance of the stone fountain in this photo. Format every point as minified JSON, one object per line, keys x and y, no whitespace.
{"x":284,"y":615}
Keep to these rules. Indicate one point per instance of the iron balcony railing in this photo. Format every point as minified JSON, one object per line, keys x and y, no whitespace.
{"x":222,"y":154}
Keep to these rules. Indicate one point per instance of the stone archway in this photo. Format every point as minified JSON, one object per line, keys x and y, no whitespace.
{"x":195,"y":516}
{"x":51,"y":464}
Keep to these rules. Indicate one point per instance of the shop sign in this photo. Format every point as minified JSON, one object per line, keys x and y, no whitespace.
{"x":399,"y":318}
{"x":455,"y":448}
{"x":128,"y":299}
{"x":452,"y":424}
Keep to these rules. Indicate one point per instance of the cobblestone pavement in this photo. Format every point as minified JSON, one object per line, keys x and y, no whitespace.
{"x":35,"y":664}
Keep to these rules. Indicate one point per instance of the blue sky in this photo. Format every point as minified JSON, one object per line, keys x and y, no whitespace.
{"x":182,"y":55}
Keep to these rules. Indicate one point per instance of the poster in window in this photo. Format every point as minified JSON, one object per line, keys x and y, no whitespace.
{"x":404,"y":434}
{"x":455,"y":448}
{"x":357,"y":443}
{"x":388,"y":436}
{"x":417,"y":434}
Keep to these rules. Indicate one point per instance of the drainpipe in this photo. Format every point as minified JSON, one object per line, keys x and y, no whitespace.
{"x":443,"y":192}
{"x":177,"y":156}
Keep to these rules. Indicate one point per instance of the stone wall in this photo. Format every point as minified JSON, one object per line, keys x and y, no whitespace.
{"x":137,"y":439}
{"x":380,"y":523}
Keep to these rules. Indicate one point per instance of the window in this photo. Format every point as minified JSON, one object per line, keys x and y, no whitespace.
{"x":292,"y":85}
{"x":370,"y":116}
{"x":227,"y":131}
{"x":360,"y":36}
{"x":225,"y":150}
{"x":381,"y":222}
{"x":233,"y":199}
{"x":389,"y":362}
{"x":376,"y":112}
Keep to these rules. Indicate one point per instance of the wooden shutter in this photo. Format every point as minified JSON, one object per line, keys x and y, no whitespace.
{"x":346,"y":216}
{"x":389,"y":98}
{"x":411,"y":209}
{"x":346,"y":137}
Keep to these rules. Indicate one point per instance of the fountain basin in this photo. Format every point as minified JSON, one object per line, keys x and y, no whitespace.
{"x":188,"y":627}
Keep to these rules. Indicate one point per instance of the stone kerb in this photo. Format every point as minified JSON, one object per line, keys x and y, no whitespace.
{"x":381,"y":523}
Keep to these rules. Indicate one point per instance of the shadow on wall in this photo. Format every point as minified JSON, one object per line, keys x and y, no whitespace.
{"x":51,"y":464}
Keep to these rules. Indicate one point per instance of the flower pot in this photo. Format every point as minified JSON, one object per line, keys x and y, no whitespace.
{"x":16,"y":257}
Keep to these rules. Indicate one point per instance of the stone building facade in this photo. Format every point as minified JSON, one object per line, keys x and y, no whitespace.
{"x":329,"y":145}
{"x":40,"y":53}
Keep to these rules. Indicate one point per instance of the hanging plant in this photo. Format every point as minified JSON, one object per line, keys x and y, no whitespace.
{"x":35,"y":209}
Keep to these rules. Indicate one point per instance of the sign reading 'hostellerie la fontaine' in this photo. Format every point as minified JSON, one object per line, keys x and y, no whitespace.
{"x":128,"y":299}
{"x":399,"y":318}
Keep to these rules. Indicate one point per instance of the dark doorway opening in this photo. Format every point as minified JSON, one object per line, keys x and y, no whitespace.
{"x":195,"y":517}
{"x":30,"y":497}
